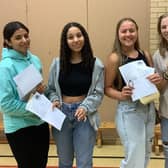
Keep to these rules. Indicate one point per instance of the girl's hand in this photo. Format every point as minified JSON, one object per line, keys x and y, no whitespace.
{"x":80,"y":114}
{"x":56,"y":104}
{"x":155,"y":78}
{"x":126,"y":92}
{"x":40,"y":88}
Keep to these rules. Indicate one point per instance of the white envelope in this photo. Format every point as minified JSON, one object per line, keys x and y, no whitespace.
{"x":27,"y":80}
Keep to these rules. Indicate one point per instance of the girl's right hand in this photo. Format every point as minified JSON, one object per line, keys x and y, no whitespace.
{"x":56,"y":104}
{"x":126,"y":92}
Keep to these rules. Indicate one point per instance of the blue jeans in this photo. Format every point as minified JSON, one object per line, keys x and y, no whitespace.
{"x":135,"y":125}
{"x":75,"y":138}
{"x":164,"y":131}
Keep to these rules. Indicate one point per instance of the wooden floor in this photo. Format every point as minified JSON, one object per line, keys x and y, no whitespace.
{"x":107,"y":155}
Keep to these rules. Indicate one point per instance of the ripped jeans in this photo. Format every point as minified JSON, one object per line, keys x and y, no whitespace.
{"x":135,"y":125}
{"x":75,"y":138}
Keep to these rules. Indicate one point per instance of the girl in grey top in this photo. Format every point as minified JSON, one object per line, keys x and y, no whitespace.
{"x":160,"y":59}
{"x":76,"y":86}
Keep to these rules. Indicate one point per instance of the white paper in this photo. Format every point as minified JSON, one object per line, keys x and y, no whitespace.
{"x":137,"y":73}
{"x":27,"y":80}
{"x":42,"y":107}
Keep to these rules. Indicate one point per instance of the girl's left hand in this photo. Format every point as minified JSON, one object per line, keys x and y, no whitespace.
{"x":80,"y":114}
{"x":40,"y":88}
{"x":155,"y":78}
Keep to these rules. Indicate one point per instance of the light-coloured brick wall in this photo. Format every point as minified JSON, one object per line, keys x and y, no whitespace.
{"x":158,"y":7}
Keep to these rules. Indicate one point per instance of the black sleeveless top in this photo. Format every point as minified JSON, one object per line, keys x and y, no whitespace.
{"x":141,"y":56}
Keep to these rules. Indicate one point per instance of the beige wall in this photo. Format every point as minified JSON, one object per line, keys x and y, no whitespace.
{"x":45,"y":18}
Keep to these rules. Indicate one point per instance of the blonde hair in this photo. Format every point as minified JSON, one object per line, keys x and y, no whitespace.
{"x":117,"y":45}
{"x":118,"y":49}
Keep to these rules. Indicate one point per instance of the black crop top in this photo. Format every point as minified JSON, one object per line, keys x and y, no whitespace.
{"x":140,"y":56}
{"x":77,"y":82}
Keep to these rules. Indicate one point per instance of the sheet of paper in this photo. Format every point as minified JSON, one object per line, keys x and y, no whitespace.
{"x":42,"y":107}
{"x":143,"y":87}
{"x":27,"y":80}
{"x":137,"y":73}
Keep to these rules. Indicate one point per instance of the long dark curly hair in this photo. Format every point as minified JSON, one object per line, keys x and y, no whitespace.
{"x":65,"y":51}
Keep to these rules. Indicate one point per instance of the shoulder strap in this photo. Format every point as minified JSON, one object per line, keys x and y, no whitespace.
{"x":143,"y":53}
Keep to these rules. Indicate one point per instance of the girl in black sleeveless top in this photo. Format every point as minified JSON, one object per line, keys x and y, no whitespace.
{"x":134,"y":121}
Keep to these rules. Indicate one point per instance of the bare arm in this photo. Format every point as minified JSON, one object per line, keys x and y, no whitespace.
{"x":111,"y":72}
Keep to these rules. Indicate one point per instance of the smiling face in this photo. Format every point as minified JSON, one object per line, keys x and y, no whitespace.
{"x":75,"y":39}
{"x":127,"y":34}
{"x":164,"y":28}
{"x":19,"y":41}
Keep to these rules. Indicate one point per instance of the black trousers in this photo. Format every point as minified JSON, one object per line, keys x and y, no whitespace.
{"x":30,"y":146}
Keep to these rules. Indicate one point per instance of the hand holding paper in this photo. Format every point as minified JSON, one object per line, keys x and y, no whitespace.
{"x":137,"y":73}
{"x":42,"y":107}
{"x":40,"y":88}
